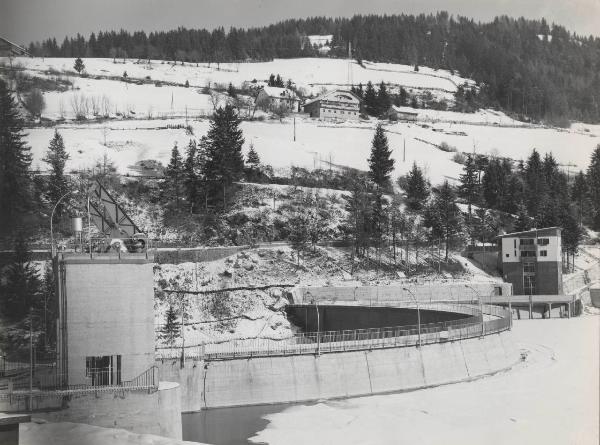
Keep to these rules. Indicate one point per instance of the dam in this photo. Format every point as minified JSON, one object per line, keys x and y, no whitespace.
{"x":346,"y":349}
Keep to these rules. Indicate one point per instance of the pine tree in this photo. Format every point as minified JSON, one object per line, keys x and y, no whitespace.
{"x":381,"y":163}
{"x":79,"y":66}
{"x":171,"y":329}
{"x":225,"y":162}
{"x":56,"y":157}
{"x":417,"y":189}
{"x":190,"y":175}
{"x":593,"y":181}
{"x":15,"y":159}
{"x":370,"y":100}
{"x":173,"y":182}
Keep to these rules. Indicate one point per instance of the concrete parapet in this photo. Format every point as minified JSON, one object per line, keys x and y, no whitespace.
{"x":283,"y":379}
{"x":380,"y":294}
{"x":137,"y":411}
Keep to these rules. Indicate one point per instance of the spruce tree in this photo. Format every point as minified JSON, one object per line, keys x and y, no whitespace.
{"x":253,"y":158}
{"x":173,"y":182}
{"x":359,"y":210}
{"x":225,"y":163}
{"x":15,"y":159}
{"x":20,"y":291}
{"x":170,"y":330}
{"x":535,"y":181}
{"x":403,"y":97}
{"x":579,"y":193}
{"x":79,"y":66}
{"x":383,"y":100}
{"x":231,"y":91}
{"x":381,"y":163}
{"x":417,"y":189}
{"x":370,"y":100}
{"x":443,"y":215}
{"x":523,"y":221}
{"x":56,"y":157}
{"x":593,"y":181}
{"x":190,"y":175}
{"x":469,"y":187}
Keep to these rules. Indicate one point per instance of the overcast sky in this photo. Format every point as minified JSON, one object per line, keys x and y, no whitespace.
{"x":25,"y":20}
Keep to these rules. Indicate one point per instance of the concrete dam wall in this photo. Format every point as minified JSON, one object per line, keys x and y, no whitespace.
{"x":303,"y":378}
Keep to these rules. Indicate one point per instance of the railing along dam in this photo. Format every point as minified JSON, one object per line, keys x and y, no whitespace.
{"x":329,"y":328}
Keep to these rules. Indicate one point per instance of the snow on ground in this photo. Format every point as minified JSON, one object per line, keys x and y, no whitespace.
{"x":67,"y":433}
{"x":309,"y":73}
{"x":317,"y":143}
{"x":551,"y":398}
{"x":127,"y":99}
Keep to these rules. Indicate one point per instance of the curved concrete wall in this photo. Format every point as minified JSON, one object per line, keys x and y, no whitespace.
{"x":137,"y":411}
{"x":303,"y":378}
{"x":340,"y":318}
{"x":425,"y":292}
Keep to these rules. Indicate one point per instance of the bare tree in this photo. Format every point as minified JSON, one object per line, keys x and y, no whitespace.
{"x":215,"y":99}
{"x":105,"y":106}
{"x":280,"y":110}
{"x":94,"y":103}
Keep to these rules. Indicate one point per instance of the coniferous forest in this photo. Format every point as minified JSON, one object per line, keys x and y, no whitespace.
{"x":527,"y":67}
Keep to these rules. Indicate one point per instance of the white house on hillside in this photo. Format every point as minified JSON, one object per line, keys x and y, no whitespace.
{"x":335,"y":105}
{"x":274,"y":96}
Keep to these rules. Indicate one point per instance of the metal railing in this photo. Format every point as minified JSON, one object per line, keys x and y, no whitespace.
{"x":50,"y":383}
{"x":351,"y":340}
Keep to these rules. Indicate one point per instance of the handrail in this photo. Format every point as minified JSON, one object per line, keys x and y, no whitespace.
{"x":358,"y":339}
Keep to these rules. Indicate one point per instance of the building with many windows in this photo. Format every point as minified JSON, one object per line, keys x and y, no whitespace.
{"x":334,"y":106}
{"x":532,"y":261}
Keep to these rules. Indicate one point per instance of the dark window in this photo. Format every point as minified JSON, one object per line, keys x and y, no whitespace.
{"x":529,"y":267}
{"x":103,"y":370}
{"x":543,"y":253}
{"x":543,"y":241}
{"x":529,"y":285}
{"x":507,"y":255}
{"x":526,"y":241}
{"x":528,"y":253}
{"x":515,"y":243}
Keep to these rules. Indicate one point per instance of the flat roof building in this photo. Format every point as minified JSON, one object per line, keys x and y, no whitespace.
{"x":532,"y":261}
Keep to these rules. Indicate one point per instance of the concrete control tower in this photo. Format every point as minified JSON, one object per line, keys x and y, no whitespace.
{"x":106,"y":318}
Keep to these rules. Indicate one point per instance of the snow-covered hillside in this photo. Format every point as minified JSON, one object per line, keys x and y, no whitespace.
{"x":317,"y":143}
{"x":310,"y":73}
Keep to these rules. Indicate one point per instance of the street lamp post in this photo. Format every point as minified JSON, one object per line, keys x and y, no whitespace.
{"x":74,"y":192}
{"x":480,"y":308}
{"x":418,"y":314}
{"x":318,"y":328}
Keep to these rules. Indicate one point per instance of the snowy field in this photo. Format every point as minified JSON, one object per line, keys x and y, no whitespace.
{"x":551,"y":398}
{"x":318,"y":143}
{"x":309,"y":73}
